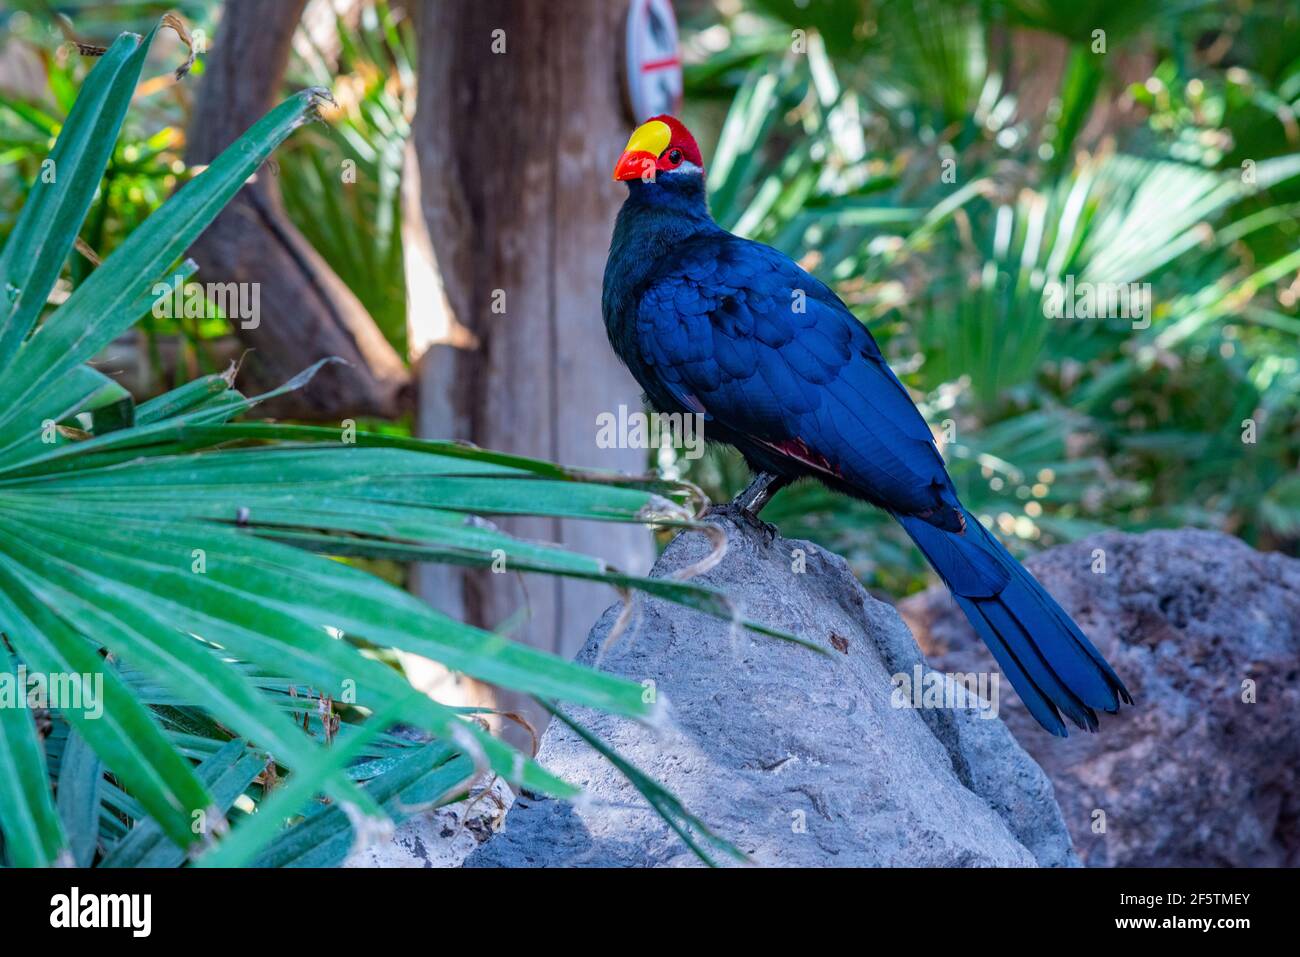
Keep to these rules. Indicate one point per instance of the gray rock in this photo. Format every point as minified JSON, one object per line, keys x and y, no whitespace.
{"x":796,"y":757}
{"x":438,"y":837}
{"x":1193,"y":774}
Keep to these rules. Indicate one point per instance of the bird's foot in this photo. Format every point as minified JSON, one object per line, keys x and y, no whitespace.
{"x":742,"y":516}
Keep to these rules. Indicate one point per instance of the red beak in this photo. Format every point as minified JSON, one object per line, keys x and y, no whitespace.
{"x":634,"y":164}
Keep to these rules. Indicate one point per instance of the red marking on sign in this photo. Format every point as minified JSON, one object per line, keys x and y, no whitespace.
{"x":660,"y":64}
{"x":652,"y":74}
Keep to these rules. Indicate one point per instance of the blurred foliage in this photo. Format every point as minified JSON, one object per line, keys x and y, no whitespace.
{"x":147,"y":163}
{"x":906,"y":154}
{"x":357,"y":228}
{"x":340,"y":180}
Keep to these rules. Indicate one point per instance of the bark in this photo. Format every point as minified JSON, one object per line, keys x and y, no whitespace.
{"x":509,"y":211}
{"x":307,"y":313}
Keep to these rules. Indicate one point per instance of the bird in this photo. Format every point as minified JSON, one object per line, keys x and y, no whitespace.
{"x":775,"y":364}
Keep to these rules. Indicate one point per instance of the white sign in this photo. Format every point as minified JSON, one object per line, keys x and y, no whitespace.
{"x":654,"y":62}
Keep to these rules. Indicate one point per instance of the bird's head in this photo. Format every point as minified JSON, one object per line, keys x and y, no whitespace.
{"x":661,"y":150}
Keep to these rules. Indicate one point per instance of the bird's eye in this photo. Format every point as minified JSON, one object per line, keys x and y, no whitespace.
{"x":675,"y":156}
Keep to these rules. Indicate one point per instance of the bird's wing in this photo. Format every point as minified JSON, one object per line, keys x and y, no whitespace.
{"x":736,"y":330}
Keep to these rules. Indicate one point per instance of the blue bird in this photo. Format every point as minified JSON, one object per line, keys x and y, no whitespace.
{"x":711,"y":323}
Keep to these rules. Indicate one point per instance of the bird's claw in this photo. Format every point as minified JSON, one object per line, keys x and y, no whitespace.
{"x":743,"y":516}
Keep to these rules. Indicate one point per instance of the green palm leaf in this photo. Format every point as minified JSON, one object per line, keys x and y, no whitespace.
{"x":188,"y":564}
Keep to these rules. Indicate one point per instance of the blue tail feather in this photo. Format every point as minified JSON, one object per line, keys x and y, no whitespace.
{"x":1051,"y":664}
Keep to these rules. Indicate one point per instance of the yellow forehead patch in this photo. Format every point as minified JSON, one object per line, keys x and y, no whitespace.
{"x":652,"y":137}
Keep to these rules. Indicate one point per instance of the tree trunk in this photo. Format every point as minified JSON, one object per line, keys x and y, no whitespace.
{"x":307,"y":313}
{"x":510,"y":206}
